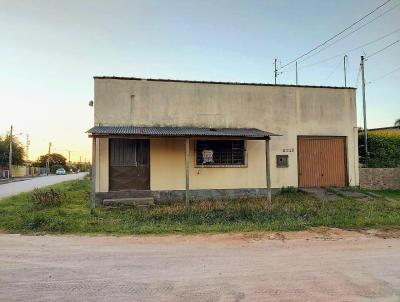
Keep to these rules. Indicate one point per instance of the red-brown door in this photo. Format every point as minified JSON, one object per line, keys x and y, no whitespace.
{"x":129,"y":164}
{"x":322,"y":161}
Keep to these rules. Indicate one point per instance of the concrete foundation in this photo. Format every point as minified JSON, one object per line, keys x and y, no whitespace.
{"x":170,"y":196}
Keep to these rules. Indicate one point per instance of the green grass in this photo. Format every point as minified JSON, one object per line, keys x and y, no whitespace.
{"x":289,"y":210}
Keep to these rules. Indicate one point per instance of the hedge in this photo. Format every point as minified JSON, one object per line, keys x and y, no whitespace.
{"x":383,"y":149}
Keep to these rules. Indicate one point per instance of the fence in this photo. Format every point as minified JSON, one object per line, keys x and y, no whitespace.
{"x":20,"y":171}
{"x":380,"y":178}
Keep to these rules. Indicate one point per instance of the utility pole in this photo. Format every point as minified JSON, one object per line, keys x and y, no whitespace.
{"x":28,"y":142}
{"x":69,"y":157}
{"x":10,"y":153}
{"x":364,"y":111}
{"x":344,"y":70}
{"x":275,"y":70}
{"x":48,"y":160}
{"x":297,"y":76}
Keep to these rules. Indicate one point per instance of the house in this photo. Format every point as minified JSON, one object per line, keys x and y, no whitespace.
{"x":174,"y":139}
{"x":393,"y":129}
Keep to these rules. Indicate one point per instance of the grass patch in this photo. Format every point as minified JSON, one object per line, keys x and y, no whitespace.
{"x":289,"y":210}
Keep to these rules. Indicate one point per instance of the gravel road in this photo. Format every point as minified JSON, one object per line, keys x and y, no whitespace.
{"x":328,"y":265}
{"x":13,"y":188}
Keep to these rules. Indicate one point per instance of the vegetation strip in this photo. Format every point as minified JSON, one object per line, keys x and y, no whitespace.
{"x":64,"y":208}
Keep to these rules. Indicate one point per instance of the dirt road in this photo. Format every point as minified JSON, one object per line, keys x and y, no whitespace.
{"x":327,"y":265}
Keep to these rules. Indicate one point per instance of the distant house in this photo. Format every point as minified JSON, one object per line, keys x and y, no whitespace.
{"x":395,"y":129}
{"x":169,"y":138}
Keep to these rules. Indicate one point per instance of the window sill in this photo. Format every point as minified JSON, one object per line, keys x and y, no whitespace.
{"x":220,"y":166}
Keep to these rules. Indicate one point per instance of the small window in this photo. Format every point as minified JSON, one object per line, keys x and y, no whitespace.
{"x":123,"y":152}
{"x":220,"y":153}
{"x":282,"y":161}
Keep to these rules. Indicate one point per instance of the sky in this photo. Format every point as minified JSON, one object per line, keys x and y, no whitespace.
{"x":50,"y":51}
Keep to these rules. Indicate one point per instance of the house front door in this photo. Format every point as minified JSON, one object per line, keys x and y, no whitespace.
{"x":129,"y":164}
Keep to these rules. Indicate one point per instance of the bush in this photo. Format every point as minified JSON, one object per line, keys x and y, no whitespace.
{"x":47,"y":198}
{"x":383,"y":149}
{"x":287,"y":190}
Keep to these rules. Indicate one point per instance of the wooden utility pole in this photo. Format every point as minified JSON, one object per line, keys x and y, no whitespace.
{"x":28,"y":142}
{"x":10,"y":154}
{"x":267,"y":170}
{"x":187,"y":171}
{"x":344,"y":70}
{"x":93,"y":195}
{"x":364,"y":111}
{"x":48,"y":160}
{"x":275,"y":70}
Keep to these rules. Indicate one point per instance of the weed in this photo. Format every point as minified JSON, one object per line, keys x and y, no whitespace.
{"x":47,"y":197}
{"x":288,"y":190}
{"x":290,"y":210}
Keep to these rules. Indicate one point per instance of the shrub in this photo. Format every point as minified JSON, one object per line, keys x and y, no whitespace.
{"x":47,"y":197}
{"x":286,"y":190}
{"x":383,"y":149}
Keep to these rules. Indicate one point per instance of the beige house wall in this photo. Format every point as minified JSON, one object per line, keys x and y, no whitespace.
{"x":287,"y":110}
{"x":167,"y":168}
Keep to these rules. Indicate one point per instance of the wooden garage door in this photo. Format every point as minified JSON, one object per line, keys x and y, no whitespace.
{"x":322,"y":161}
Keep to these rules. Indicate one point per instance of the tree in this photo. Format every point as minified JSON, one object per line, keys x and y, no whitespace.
{"x":55,"y":159}
{"x":17,"y":154}
{"x":397,"y":123}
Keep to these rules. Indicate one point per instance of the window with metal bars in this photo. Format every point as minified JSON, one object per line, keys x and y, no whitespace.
{"x":220,"y":153}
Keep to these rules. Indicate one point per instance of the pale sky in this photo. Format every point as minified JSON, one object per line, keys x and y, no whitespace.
{"x":50,"y":51}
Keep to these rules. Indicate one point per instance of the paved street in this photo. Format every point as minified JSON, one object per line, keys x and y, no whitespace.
{"x":302,"y":266}
{"x":37,"y":182}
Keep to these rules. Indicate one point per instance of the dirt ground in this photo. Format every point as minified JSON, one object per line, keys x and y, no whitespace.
{"x":317,"y":265}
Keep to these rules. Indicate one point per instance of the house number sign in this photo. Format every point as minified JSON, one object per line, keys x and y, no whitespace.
{"x":288,"y":150}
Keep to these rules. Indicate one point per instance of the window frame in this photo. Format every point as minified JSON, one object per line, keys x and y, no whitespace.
{"x":244,"y":165}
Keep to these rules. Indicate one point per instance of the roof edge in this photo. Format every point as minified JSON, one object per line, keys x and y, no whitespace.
{"x":217,"y":82}
{"x":179,"y":131}
{"x":384,"y":128}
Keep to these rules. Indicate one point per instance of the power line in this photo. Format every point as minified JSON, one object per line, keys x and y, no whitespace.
{"x":382,"y":49}
{"x":384,"y":75}
{"x":333,"y":71}
{"x":345,"y":52}
{"x":336,"y":35}
{"x":358,"y":77}
{"x":350,"y":33}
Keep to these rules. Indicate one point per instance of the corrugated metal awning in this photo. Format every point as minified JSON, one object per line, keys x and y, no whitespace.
{"x":251,"y":133}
